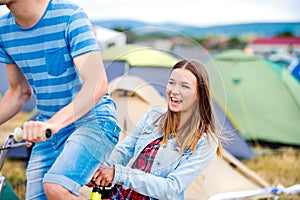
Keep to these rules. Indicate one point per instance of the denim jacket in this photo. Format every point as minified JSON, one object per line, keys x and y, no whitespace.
{"x":171,"y":172}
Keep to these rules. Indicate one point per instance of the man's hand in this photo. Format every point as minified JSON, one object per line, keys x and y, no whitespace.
{"x":34,"y":131}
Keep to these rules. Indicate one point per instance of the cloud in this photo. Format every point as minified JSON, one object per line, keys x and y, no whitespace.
{"x":3,"y":10}
{"x":193,"y":12}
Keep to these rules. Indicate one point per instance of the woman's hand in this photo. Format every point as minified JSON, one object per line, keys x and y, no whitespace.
{"x":103,"y":176}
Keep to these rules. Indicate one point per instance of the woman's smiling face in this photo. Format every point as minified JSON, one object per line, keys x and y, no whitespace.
{"x":181,"y":90}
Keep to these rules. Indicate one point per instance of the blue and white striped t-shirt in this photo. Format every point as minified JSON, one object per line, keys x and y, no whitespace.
{"x":45,"y":53}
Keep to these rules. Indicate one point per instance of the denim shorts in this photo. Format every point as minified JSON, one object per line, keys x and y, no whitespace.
{"x":71,"y":156}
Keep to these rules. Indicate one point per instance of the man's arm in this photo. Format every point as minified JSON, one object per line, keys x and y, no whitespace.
{"x":16,"y":96}
{"x":91,"y":70}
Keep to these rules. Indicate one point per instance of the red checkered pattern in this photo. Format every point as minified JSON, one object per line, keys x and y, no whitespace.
{"x":143,"y":162}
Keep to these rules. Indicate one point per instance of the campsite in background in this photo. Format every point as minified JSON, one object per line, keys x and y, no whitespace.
{"x":256,"y":99}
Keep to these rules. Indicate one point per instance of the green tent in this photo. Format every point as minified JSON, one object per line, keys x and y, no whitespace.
{"x":8,"y":192}
{"x":150,"y":64}
{"x":154,"y":67}
{"x":137,"y":56}
{"x":258,"y":99}
{"x":289,"y":80}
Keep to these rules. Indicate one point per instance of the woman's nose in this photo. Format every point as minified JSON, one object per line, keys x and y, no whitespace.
{"x":175,"y":89}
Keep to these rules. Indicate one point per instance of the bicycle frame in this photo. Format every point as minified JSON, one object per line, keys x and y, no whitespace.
{"x":8,"y":143}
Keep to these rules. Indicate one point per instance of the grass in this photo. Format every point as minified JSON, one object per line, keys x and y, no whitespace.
{"x":280,"y":166}
{"x":14,"y":171}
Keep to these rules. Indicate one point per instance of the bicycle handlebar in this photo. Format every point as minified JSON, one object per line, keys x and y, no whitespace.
{"x":12,"y":141}
{"x":18,"y":134}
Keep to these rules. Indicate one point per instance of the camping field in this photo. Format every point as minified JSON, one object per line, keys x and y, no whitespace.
{"x":280,"y":166}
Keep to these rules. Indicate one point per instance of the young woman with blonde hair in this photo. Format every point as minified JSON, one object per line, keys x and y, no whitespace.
{"x":169,"y":148}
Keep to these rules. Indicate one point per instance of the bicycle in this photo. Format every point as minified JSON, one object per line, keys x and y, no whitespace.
{"x":13,"y":140}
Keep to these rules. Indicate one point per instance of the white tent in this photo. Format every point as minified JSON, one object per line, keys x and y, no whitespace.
{"x":108,"y":37}
{"x":224,"y":175}
{"x":133,"y":97}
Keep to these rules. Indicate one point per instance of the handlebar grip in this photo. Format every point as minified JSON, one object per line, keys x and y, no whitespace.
{"x":18,"y":134}
{"x":47,"y":134}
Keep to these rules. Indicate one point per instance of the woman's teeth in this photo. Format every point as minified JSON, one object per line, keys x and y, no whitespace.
{"x":175,"y":100}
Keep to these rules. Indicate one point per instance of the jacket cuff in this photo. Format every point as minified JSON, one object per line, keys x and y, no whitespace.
{"x":119,"y":175}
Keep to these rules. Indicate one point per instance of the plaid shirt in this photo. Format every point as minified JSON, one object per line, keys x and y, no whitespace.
{"x":143,"y":162}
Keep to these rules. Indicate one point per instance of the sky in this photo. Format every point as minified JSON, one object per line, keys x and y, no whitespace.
{"x":199,"y":13}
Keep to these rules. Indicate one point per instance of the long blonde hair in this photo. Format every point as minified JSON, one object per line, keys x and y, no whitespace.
{"x":202,"y":120}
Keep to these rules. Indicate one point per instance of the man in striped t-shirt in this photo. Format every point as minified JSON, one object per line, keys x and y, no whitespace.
{"x":50,"y":51}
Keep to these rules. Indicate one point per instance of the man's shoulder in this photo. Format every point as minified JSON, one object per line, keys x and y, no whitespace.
{"x":5,"y":19}
{"x":65,"y":9}
{"x":7,"y":23}
{"x":64,"y":4}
